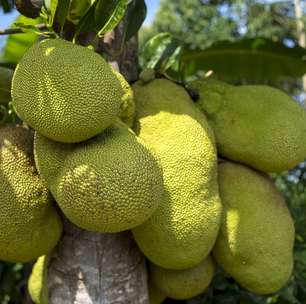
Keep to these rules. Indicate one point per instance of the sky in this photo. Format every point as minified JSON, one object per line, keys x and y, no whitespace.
{"x":152,"y":8}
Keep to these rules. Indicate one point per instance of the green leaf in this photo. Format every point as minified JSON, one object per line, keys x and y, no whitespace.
{"x":135,"y":16}
{"x":288,"y":294}
{"x":5,"y":5}
{"x":161,"y":52}
{"x":78,"y":9}
{"x":47,"y":5}
{"x":102,"y":17}
{"x":62,"y":11}
{"x":53,"y":7}
{"x":108,"y":14}
{"x":255,"y":60}
{"x":18,"y":44}
{"x":87,"y":22}
{"x":6,"y":76}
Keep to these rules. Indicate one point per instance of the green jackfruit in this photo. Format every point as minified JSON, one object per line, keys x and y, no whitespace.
{"x":29,"y":224}
{"x":255,"y":124}
{"x":37,"y":284}
{"x":255,"y":244}
{"x":182,"y":231}
{"x":183,"y":284}
{"x":127,"y":106}
{"x":147,"y":75}
{"x":110,"y":183}
{"x":156,"y":296}
{"x":66,"y":92}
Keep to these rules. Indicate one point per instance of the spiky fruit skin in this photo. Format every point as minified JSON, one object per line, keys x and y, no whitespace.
{"x":254,"y":124}
{"x":127,"y":106}
{"x":66,"y":92}
{"x":255,"y":243}
{"x":110,"y":183}
{"x":29,"y":224}
{"x":38,"y":281}
{"x":183,"y":284}
{"x":182,"y":231}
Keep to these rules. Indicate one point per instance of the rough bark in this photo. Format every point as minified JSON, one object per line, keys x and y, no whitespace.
{"x":92,"y":268}
{"x":95,"y":268}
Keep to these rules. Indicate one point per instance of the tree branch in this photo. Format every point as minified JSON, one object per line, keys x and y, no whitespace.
{"x":19,"y":30}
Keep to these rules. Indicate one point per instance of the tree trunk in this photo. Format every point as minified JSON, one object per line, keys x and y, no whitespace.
{"x":95,"y":268}
{"x":92,"y":268}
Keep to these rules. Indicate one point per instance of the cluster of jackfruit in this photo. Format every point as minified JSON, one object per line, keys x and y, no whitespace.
{"x":144,"y":158}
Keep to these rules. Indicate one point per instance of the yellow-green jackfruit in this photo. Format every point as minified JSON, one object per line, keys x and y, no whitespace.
{"x":29,"y":224}
{"x":66,"y":92}
{"x":37,"y":284}
{"x":156,"y":296}
{"x":127,"y":106}
{"x":182,"y":231}
{"x":255,"y":124}
{"x":255,"y":244}
{"x":183,"y":284}
{"x":110,"y":183}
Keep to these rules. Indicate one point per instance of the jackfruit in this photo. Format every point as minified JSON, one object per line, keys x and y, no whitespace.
{"x":127,"y":106}
{"x":66,"y":92}
{"x":156,"y":296}
{"x":255,"y":124}
{"x":147,"y":75}
{"x":255,"y":244}
{"x":29,"y":224}
{"x":182,"y":231}
{"x":183,"y":284}
{"x":38,"y":281}
{"x":110,"y":183}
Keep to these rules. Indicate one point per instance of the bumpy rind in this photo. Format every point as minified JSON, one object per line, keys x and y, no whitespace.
{"x":183,"y":284}
{"x":182,"y":231}
{"x":66,"y":92}
{"x":255,"y":243}
{"x":127,"y":106}
{"x":110,"y":183}
{"x":29,"y":223}
{"x":254,"y":124}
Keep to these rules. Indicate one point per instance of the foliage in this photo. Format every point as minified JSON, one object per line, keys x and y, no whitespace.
{"x":194,"y":30}
{"x":253,"y":60}
{"x":12,"y":282}
{"x":6,"y":5}
{"x":17,"y":44}
{"x":200,"y":23}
